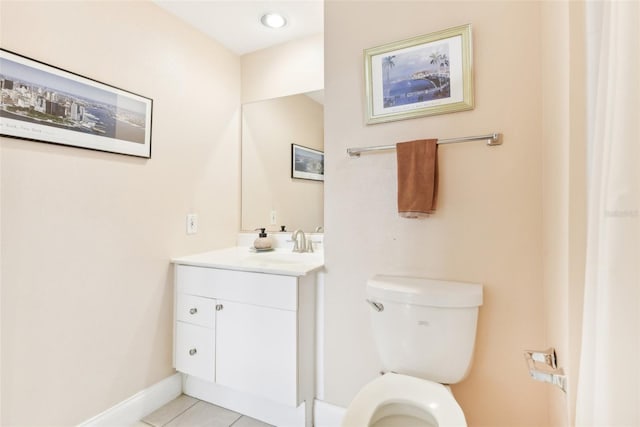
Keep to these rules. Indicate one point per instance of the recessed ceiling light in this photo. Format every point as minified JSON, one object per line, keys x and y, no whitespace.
{"x":273,"y":20}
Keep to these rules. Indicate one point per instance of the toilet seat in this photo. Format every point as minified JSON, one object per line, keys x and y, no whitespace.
{"x":396,"y":394}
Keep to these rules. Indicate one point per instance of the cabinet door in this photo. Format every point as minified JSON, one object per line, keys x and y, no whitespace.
{"x":195,"y":350}
{"x":256,"y":351}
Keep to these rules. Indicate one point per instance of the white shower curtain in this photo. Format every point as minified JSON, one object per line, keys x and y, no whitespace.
{"x":609,"y":382}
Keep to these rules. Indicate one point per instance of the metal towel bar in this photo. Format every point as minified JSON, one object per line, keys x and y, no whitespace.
{"x":492,"y":139}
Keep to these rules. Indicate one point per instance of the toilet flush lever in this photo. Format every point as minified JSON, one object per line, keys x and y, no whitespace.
{"x":377,"y":306}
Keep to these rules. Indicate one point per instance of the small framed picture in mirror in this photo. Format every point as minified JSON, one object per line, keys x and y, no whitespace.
{"x":307,"y":163}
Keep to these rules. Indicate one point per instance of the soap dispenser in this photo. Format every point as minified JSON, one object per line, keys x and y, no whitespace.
{"x":263,"y":241}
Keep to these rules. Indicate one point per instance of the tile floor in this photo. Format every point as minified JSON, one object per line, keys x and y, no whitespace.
{"x":186,"y":411}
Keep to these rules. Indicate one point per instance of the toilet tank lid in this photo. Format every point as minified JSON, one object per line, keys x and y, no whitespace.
{"x":423,"y":291}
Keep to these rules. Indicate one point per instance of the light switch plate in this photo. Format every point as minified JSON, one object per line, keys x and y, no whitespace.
{"x":192,"y":223}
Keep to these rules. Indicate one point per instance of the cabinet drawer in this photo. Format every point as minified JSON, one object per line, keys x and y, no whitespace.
{"x":197,"y":310}
{"x":266,"y":290}
{"x":195,"y":351}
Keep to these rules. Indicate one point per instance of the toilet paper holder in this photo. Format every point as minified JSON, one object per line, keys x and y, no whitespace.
{"x":543,"y":366}
{"x":547,"y":357}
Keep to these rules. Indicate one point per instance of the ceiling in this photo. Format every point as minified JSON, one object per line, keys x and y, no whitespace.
{"x":236,"y":23}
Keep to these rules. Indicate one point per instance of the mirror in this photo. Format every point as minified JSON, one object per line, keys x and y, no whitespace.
{"x":271,"y":198}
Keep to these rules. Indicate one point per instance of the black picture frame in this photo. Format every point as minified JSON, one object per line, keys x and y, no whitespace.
{"x":307,"y":163}
{"x":44,"y":103}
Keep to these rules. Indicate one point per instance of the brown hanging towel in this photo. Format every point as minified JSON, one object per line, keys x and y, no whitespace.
{"x":417,"y":177}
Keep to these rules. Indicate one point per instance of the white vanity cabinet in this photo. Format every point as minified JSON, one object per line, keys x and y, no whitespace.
{"x":249,"y":332}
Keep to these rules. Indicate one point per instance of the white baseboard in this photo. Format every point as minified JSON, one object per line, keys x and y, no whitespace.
{"x":327,"y":415}
{"x":141,"y":404}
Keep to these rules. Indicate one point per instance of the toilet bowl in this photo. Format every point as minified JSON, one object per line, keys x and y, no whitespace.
{"x":424,"y":331}
{"x":395,"y":400}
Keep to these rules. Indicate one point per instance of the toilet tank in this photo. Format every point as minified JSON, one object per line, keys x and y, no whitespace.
{"x":424,"y":327}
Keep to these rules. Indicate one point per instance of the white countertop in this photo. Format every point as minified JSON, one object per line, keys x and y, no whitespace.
{"x":279,"y":261}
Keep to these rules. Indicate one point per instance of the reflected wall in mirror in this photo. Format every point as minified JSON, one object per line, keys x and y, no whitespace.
{"x":271,"y":198}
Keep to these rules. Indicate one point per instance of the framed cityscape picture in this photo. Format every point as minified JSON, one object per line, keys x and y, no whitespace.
{"x":421,"y":76}
{"x":307,"y":163}
{"x":44,"y":103}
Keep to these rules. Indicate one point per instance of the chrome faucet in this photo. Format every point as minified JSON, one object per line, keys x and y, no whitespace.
{"x":299,"y":245}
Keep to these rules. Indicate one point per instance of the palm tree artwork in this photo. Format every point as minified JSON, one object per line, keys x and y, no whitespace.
{"x":441,"y":60}
{"x":387,"y":64}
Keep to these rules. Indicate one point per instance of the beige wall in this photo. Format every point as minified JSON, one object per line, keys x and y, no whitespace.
{"x":488,"y":226}
{"x":555,"y":181}
{"x":87,"y":236}
{"x":268,"y":130}
{"x":285,"y":69}
{"x":564,"y":189}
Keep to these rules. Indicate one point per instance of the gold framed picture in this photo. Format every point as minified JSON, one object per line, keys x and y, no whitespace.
{"x":421,"y":76}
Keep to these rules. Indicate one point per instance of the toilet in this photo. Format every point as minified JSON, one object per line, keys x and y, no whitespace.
{"x":425,"y":332}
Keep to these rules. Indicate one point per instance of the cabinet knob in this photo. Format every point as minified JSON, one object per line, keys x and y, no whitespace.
{"x":192,"y":352}
{"x":219,"y":307}
{"x":193,"y":310}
